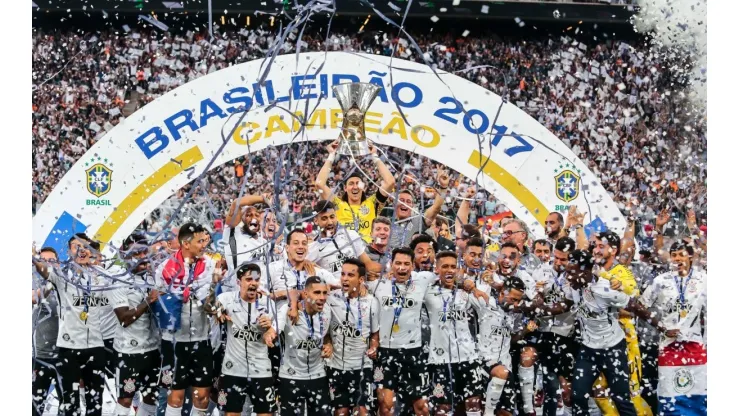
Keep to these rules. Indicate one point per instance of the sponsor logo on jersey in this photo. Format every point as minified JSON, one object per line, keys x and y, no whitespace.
{"x":336,"y":266}
{"x":394,"y":302}
{"x":453,"y":315}
{"x":249,"y":333}
{"x":346,"y":329}
{"x":683,"y":380}
{"x":129,"y":385}
{"x":500,"y":331}
{"x":92,"y":301}
{"x":308,"y":344}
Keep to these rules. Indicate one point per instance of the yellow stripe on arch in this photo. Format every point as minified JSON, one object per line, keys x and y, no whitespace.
{"x":141,"y":193}
{"x":509,"y":182}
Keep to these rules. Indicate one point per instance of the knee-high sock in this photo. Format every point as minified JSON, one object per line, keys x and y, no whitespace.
{"x":567,"y":411}
{"x":146,"y":410}
{"x":493,"y":394}
{"x":173,"y":411}
{"x":643,"y":409}
{"x":526,"y":381}
{"x":606,"y":405}
{"x":122,"y":411}
{"x":200,"y":412}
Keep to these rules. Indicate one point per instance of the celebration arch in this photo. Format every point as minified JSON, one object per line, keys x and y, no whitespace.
{"x":166,"y":144}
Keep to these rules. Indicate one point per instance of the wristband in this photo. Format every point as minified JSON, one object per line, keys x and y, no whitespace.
{"x":376,"y":158}
{"x":331,"y":158}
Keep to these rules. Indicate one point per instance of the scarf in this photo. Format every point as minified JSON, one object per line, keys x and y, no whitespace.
{"x":174,"y":273}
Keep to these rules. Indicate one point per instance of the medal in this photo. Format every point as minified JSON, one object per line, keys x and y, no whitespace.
{"x":83,"y":316}
{"x":683,"y":313}
{"x":396,"y":328}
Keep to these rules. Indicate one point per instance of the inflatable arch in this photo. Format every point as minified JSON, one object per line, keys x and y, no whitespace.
{"x":160,"y":148}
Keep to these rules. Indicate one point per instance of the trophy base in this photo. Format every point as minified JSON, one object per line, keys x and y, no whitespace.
{"x":354,"y":148}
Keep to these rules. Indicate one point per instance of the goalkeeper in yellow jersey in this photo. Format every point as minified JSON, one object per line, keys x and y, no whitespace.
{"x":606,"y":251}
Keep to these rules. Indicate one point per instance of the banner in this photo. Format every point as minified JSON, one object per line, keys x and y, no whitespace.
{"x":170,"y":141}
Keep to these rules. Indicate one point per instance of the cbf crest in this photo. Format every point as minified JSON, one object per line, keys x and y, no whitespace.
{"x":567,"y":182}
{"x":98,"y":177}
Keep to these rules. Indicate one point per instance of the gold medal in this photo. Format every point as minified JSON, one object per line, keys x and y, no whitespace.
{"x":396,"y":327}
{"x":683,"y":313}
{"x":83,"y":315}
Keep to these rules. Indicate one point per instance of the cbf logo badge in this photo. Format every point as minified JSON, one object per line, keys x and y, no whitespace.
{"x":567,"y":182}
{"x":98,"y":177}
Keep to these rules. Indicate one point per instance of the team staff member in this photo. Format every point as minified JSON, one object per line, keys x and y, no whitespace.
{"x":187,"y":357}
{"x":137,"y":358}
{"x":355,"y":340}
{"x":355,"y":209}
{"x":80,"y":340}
{"x":245,"y":372}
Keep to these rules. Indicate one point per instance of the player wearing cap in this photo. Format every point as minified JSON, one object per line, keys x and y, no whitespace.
{"x":80,"y":339}
{"x":244,"y":244}
{"x":251,"y":328}
{"x":303,"y":381}
{"x":355,"y":209}
{"x":401,"y":296}
{"x":456,"y":376}
{"x":137,"y":338}
{"x":355,"y":340}
{"x":187,"y":357}
{"x":335,"y":243}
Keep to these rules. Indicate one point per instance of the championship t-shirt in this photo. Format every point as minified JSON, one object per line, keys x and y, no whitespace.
{"x":359,"y":217}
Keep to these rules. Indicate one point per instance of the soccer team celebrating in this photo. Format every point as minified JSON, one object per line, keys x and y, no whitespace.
{"x":375,"y":314}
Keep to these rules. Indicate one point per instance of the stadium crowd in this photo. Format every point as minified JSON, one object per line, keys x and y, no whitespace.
{"x":419,"y":311}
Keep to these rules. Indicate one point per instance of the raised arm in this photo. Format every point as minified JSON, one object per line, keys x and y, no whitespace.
{"x":443,"y":180}
{"x":389,"y":182}
{"x":660,"y":223}
{"x":463,"y":212}
{"x":628,"y":243}
{"x":323,"y":176}
{"x":233,"y":218}
{"x":575,"y":221}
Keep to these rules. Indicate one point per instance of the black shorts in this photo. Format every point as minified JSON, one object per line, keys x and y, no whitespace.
{"x":234,"y":391}
{"x":313,"y":394}
{"x":557,"y":354}
{"x":111,"y":357}
{"x":350,"y":388}
{"x":404,"y":371}
{"x":510,"y":394}
{"x":468,"y":380}
{"x":138,"y":372}
{"x":186,"y":364}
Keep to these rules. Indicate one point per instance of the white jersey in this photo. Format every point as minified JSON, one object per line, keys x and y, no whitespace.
{"x":554,"y":293}
{"x":108,"y":318}
{"x":142,"y":335}
{"x":495,"y":329}
{"x":529,"y":293}
{"x":303,"y":344}
{"x":597,"y":309}
{"x":76,"y":296}
{"x":665,"y":294}
{"x":246,"y":352}
{"x":400,"y":304}
{"x":194,"y":324}
{"x":351,"y":328}
{"x":451,"y":340}
{"x":330,"y":253}
{"x":248,"y":250}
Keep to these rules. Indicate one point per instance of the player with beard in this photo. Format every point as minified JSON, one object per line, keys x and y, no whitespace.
{"x":556,"y":346}
{"x":187,"y":357}
{"x":80,"y":338}
{"x":456,"y":375}
{"x":355,"y":340}
{"x":355,"y":209}
{"x":303,"y":381}
{"x":378,"y":247}
{"x":603,"y":347}
{"x":401,"y":367}
{"x":335,"y":243}
{"x":245,"y":372}
{"x":424,"y":249}
{"x":244,"y":244}
{"x":606,"y":253}
{"x":137,"y":339}
{"x":406,"y":223}
{"x":554,"y":226}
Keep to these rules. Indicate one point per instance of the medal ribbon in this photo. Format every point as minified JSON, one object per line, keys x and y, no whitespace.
{"x":445,"y":302}
{"x":682,"y":288}
{"x":398,"y":309}
{"x":309,"y":321}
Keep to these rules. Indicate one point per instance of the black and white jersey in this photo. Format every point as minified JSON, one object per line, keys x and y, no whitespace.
{"x":529,"y":293}
{"x":194,"y":323}
{"x":495,"y":329}
{"x":108,"y":318}
{"x":353,"y":321}
{"x":561,"y":324}
{"x":597,"y":309}
{"x":142,"y":335}
{"x":248,"y":250}
{"x":304,"y":341}
{"x":451,"y":340}
{"x":83,"y":307}
{"x":246,"y":352}
{"x":400,"y":309}
{"x":330,"y":253}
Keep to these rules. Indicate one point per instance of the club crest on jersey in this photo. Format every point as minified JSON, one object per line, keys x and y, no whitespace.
{"x":98,"y":179}
{"x":683,"y":381}
{"x":167,"y":377}
{"x":129,"y":386}
{"x":222,"y":398}
{"x":567,"y":182}
{"x":392,"y":302}
{"x":438,"y":391}
{"x":378,"y":374}
{"x":364,"y":210}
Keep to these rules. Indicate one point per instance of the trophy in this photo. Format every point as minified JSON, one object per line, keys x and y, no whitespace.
{"x":355,"y":99}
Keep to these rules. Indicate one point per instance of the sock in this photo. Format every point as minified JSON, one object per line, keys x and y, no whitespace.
{"x":472,"y":413}
{"x":493,"y":394}
{"x":173,"y":411}
{"x":593,"y":409}
{"x":121,"y":411}
{"x":146,"y":410}
{"x":526,"y":381}
{"x":567,"y":411}
{"x":200,"y":412}
{"x":606,"y":406}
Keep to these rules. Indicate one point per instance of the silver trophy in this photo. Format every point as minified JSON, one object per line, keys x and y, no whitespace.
{"x":355,"y":99}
